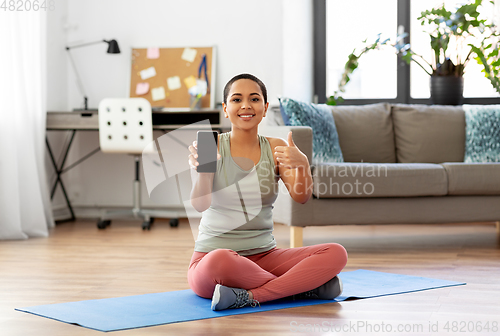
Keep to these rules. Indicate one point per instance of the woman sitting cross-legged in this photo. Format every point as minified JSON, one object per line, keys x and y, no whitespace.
{"x":235,"y":260}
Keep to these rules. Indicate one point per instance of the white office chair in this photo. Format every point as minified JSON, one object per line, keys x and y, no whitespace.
{"x":126,"y":126}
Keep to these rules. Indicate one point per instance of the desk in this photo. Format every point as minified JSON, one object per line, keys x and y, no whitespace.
{"x":88,"y":121}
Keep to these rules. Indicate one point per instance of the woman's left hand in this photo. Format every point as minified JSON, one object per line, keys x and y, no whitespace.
{"x":290,"y":156}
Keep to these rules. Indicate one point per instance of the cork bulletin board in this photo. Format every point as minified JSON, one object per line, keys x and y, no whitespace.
{"x":166,"y":77}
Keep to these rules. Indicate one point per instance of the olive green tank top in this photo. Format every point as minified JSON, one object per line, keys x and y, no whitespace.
{"x":240,"y":215}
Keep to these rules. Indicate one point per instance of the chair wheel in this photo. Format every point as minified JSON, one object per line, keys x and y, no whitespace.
{"x":102,"y":224}
{"x":174,"y":222}
{"x":146,"y":225}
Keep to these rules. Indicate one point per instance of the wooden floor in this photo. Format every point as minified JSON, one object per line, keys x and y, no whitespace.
{"x":79,"y":262}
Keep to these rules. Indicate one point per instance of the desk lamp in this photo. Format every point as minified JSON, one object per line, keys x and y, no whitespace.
{"x":112,"y":49}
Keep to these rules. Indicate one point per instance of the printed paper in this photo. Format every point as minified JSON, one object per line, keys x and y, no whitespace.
{"x":148,"y":73}
{"x":174,"y":83}
{"x":189,"y":54}
{"x":158,"y":93}
{"x":141,"y":88}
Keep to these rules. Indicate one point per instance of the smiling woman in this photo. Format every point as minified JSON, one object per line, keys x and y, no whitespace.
{"x":235,"y":260}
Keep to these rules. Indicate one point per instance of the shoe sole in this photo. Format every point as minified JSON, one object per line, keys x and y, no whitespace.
{"x":216,"y":297}
{"x":341,"y":286}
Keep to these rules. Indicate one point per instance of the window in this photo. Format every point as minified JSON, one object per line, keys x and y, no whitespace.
{"x":341,"y":26}
{"x":345,"y":30}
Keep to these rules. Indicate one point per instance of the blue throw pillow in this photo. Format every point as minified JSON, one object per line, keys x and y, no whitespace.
{"x":482,"y":133}
{"x":319,"y":117}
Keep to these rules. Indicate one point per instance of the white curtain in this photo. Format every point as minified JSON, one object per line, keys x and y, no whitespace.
{"x":24,"y":198}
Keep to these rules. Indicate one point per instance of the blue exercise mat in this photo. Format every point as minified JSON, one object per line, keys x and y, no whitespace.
{"x":179,"y":306}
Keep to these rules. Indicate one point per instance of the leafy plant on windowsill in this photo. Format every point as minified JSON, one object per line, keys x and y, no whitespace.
{"x":443,"y":27}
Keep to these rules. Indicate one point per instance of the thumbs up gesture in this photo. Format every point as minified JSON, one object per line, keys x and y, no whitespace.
{"x":290,"y":156}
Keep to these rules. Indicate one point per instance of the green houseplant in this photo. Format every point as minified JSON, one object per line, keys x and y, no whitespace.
{"x":446,"y":29}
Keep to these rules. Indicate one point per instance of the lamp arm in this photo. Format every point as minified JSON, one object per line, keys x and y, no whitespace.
{"x":85,"y":44}
{"x":78,"y":80}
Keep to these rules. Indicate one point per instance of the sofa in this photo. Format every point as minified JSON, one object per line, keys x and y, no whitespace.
{"x":402,"y":164}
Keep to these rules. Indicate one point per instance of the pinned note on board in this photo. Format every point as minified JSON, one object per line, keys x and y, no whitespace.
{"x":141,"y":89}
{"x":174,"y":83}
{"x":148,"y":73}
{"x":153,"y":53}
{"x":190,"y":81}
{"x":189,"y":54}
{"x":158,"y":93}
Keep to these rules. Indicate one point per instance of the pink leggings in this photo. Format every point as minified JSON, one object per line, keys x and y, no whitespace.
{"x":269,"y":275}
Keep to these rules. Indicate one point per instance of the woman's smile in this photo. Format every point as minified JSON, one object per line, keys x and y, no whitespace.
{"x":246,"y":116}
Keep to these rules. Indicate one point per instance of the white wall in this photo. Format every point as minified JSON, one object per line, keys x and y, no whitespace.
{"x":247,"y":35}
{"x":262,"y":37}
{"x":298,"y":50}
{"x":57,"y":93}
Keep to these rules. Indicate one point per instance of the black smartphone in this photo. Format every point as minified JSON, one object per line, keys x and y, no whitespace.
{"x":207,"y":151}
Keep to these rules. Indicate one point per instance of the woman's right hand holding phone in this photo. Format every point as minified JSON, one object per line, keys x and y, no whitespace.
{"x":193,"y":156}
{"x":201,"y":193}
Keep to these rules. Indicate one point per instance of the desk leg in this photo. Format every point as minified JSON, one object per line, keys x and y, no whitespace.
{"x":59,"y":172}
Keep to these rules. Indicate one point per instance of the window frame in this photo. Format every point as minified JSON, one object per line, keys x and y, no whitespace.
{"x":403,"y":95}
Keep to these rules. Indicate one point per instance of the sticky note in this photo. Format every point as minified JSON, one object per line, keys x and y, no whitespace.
{"x":190,"y":81}
{"x":153,"y":53}
{"x":148,"y":73}
{"x":141,"y":88}
{"x":174,"y":83}
{"x":189,"y":54}
{"x":158,"y":93}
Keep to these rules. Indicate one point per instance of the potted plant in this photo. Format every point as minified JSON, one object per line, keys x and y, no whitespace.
{"x":446,"y":69}
{"x":446,"y":28}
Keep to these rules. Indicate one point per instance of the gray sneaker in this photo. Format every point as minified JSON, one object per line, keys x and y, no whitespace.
{"x":227,"y":298}
{"x":327,"y":291}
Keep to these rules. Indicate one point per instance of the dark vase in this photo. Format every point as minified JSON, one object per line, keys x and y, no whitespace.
{"x":447,"y":90}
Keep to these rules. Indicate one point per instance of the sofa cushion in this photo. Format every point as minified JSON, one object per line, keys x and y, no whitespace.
{"x":326,"y":146}
{"x":347,"y":180}
{"x":365,"y":132}
{"x":482,"y":136}
{"x":430,"y":134}
{"x":473,"y":178}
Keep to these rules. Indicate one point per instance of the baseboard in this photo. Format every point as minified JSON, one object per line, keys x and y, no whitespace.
{"x":94,"y":212}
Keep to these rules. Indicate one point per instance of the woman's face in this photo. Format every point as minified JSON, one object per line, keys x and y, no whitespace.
{"x":245,"y":106}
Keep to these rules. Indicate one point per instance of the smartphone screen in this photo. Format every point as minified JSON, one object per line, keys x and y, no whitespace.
{"x":207,"y":151}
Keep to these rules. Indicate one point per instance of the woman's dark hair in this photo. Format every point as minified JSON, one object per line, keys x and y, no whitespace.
{"x":245,"y":76}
